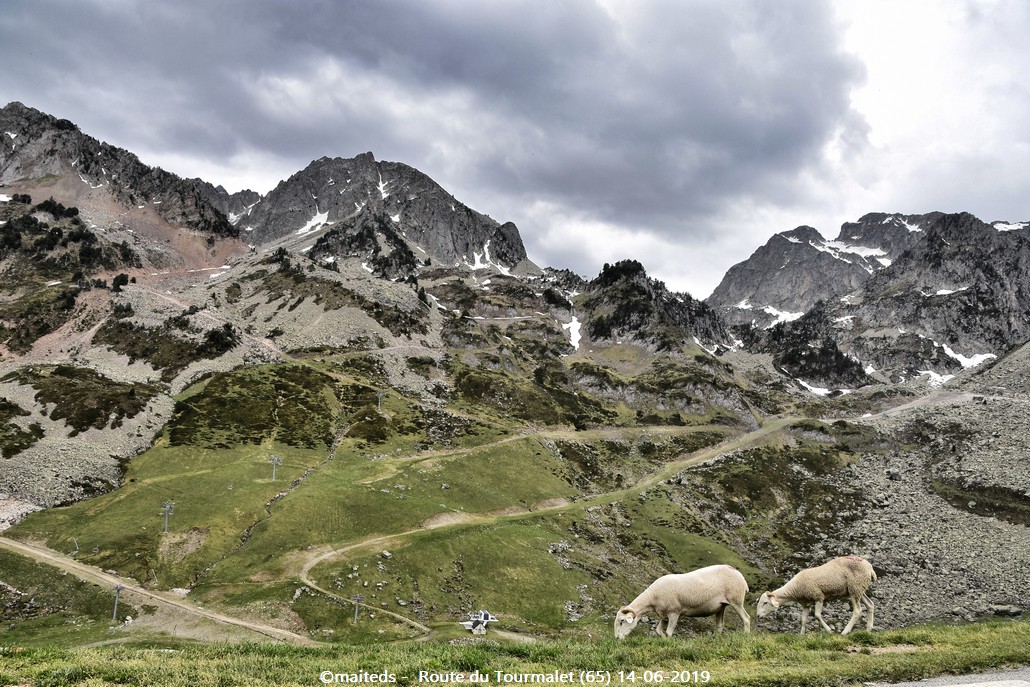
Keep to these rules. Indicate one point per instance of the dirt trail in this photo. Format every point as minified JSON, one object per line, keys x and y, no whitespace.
{"x":457,"y":520}
{"x":255,"y":631}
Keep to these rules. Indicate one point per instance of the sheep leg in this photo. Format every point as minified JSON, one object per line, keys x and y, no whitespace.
{"x":670,"y":625}
{"x":804,"y":618}
{"x":869,"y":611}
{"x":659,"y":629}
{"x":744,"y":617}
{"x":819,"y":617}
{"x":856,"y":613}
{"x":720,"y":619}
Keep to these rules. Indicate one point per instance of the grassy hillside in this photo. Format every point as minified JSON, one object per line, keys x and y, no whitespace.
{"x":548,"y":525}
{"x":507,"y":471}
{"x":42,"y":606}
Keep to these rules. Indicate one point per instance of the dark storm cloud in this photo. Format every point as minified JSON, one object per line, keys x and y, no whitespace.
{"x":651,"y":115}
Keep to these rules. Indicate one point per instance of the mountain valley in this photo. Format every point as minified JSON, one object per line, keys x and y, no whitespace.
{"x":457,"y":428}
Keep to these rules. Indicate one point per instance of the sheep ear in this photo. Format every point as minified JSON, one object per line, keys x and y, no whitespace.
{"x":774,"y":601}
{"x":626,"y":613}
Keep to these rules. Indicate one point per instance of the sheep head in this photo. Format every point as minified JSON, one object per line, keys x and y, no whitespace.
{"x":625,"y":621}
{"x":768,"y":603}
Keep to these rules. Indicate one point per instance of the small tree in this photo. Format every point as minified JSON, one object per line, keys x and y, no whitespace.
{"x":119,"y":281}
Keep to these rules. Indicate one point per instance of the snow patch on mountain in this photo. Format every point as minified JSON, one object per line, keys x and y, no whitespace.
{"x":817,"y":390}
{"x":838,"y":249}
{"x":948,"y":292}
{"x":709,"y":351}
{"x":970,"y":361}
{"x":484,"y":261}
{"x":315,"y":223}
{"x":573,"y":328}
{"x":235,"y":217}
{"x":900,"y":221}
{"x":935,"y":380}
{"x":780,"y":315}
{"x":88,"y":183}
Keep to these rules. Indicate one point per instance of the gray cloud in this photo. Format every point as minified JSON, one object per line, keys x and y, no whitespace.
{"x":655,"y":116}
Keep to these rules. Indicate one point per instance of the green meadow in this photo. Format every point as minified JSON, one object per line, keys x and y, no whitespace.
{"x":755,"y":660}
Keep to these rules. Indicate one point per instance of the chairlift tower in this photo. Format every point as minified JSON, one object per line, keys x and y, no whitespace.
{"x":275,"y":460}
{"x":167,"y":508}
{"x":117,"y":591}
{"x":358,"y":598}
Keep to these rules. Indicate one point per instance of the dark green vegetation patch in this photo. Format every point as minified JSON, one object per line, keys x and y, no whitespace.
{"x":48,"y":257}
{"x":600,"y":466}
{"x":527,"y":401}
{"x":161,"y":347}
{"x":82,"y":397}
{"x":292,"y":404}
{"x":35,"y":314}
{"x":775,"y":501}
{"x":13,"y":438}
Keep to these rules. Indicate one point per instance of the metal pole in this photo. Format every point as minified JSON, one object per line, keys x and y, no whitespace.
{"x":357,"y":598}
{"x":117,"y":591}
{"x":168,"y":507}
{"x":275,"y":460}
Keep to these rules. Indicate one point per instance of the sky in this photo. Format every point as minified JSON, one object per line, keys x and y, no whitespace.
{"x":679,"y":133}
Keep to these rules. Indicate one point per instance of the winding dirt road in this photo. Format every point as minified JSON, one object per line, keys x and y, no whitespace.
{"x":95,"y":575}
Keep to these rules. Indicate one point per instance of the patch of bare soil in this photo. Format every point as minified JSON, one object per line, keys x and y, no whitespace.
{"x":550,"y":503}
{"x":177,"y":546}
{"x":177,"y":622}
{"x":444,"y":519}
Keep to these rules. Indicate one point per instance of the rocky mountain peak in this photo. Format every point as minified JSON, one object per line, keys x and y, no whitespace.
{"x":890,"y":233}
{"x":349,"y":195}
{"x":624,"y":303}
{"x":788,"y":275}
{"x":804,"y":233}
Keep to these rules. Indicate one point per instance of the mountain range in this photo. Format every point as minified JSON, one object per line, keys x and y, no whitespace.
{"x":159,"y":337}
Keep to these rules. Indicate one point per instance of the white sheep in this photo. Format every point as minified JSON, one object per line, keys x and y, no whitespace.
{"x":703,"y":592}
{"x":847,"y":577}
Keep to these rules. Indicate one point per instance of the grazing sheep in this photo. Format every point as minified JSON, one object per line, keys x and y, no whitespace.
{"x":703,"y":592}
{"x":847,"y":577}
